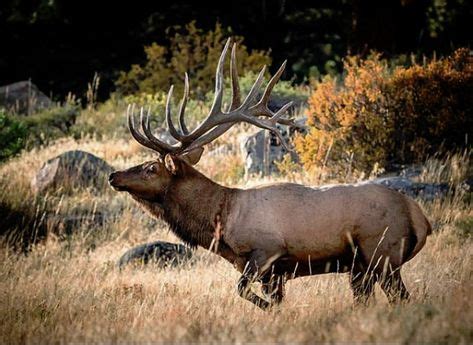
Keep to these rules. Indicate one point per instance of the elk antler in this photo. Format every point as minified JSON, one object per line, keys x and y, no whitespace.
{"x":217,"y":122}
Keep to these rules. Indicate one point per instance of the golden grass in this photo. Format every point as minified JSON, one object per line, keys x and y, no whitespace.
{"x":58,"y":295}
{"x":70,"y":290}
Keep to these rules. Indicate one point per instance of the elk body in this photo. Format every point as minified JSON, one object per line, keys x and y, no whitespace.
{"x":276,"y":232}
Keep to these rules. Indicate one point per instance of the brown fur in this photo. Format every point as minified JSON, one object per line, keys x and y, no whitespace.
{"x":285,"y":230}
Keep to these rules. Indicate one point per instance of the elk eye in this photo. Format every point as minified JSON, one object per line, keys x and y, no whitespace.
{"x":152,"y":169}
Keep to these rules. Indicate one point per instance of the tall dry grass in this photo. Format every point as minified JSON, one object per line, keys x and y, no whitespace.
{"x":68,"y":289}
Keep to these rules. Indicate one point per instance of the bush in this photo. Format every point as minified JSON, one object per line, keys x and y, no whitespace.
{"x":106,"y":119}
{"x":49,"y":124}
{"x":109,"y":118}
{"x":190,"y":50}
{"x":380,"y":116}
{"x":433,"y":106}
{"x":196,"y":52}
{"x":18,"y":132}
{"x":12,"y":136}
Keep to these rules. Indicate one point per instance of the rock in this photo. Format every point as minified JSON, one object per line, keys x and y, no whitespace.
{"x":23,"y":97}
{"x":425,"y":191}
{"x":261,"y":158}
{"x":72,"y":169}
{"x":411,"y":171}
{"x":163,"y":253}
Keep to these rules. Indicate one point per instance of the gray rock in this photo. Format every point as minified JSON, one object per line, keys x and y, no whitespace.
{"x":72,"y":169}
{"x":23,"y":97}
{"x":411,"y":171}
{"x":262,"y":149}
{"x":163,"y":253}
{"x":425,"y":191}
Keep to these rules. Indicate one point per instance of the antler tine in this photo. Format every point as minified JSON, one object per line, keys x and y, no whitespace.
{"x":182,"y":106}
{"x":137,"y":135}
{"x":244,"y":112}
{"x":163,"y":146}
{"x":209,"y":136}
{"x":172,"y":129}
{"x":254,"y":90}
{"x":269,"y":124}
{"x":219,"y":82}
{"x":272,"y":82}
{"x":217,"y":121}
{"x":236,"y":97}
{"x":261,"y":109}
{"x":215,"y":115}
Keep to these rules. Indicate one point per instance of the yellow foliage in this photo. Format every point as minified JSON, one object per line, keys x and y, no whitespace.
{"x":190,"y":50}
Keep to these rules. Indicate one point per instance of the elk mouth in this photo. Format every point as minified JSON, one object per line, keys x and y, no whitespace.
{"x":119,"y":188}
{"x":112,"y":180}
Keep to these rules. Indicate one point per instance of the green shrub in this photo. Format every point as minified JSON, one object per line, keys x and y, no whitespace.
{"x":379,"y":116}
{"x":193,"y":51}
{"x":12,"y":135}
{"x":18,"y":132}
{"x":190,"y":50}
{"x":49,"y":124}
{"x":107,"y":119}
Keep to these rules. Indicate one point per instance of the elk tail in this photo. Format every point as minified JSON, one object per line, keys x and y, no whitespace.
{"x":420,"y":228}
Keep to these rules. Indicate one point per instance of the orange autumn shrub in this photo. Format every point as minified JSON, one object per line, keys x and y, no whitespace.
{"x":379,"y":116}
{"x":432,"y":107}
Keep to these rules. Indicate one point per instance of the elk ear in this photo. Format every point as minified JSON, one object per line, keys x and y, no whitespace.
{"x":193,"y":157}
{"x":170,"y":164}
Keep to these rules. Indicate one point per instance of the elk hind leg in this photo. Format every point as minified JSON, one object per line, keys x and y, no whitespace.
{"x":362,"y":285}
{"x":394,"y":287}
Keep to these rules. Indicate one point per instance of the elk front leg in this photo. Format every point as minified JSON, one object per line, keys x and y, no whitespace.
{"x":244,"y":284}
{"x":255,"y":268}
{"x":273,"y":287}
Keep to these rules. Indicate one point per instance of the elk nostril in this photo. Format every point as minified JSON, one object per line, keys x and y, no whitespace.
{"x":110,"y":177}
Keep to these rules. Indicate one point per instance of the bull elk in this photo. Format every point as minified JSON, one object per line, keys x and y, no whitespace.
{"x":274,"y":232}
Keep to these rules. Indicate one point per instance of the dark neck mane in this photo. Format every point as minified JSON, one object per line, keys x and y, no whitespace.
{"x":191,"y":207}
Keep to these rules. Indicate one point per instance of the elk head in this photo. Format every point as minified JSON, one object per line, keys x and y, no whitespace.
{"x":150,"y":180}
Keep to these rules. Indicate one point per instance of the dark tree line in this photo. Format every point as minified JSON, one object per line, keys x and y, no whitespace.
{"x":59,"y":44}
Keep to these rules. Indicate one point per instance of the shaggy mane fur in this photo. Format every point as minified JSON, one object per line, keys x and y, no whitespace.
{"x":193,"y":221}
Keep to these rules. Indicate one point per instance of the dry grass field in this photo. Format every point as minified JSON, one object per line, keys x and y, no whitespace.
{"x":67,"y":289}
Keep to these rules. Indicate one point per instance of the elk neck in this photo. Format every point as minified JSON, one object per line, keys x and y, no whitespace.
{"x":192,"y":206}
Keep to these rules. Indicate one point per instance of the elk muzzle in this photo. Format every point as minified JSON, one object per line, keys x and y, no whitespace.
{"x":117,"y":181}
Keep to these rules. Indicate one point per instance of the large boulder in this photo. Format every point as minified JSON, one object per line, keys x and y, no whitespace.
{"x":162,"y":253}
{"x":72,"y":169}
{"x":23,"y":97}
{"x":261,"y":150}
